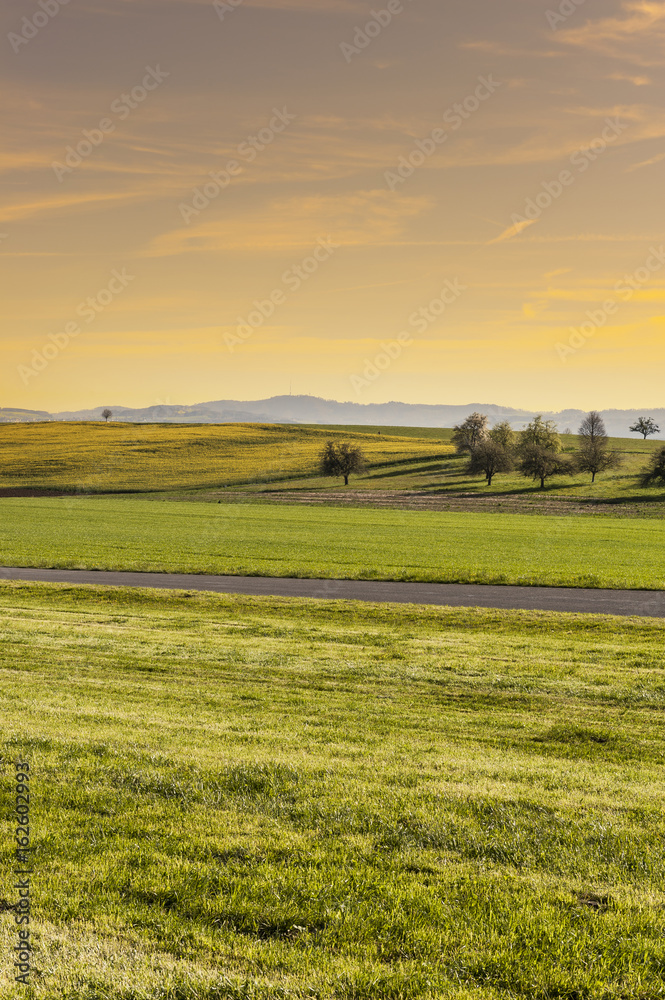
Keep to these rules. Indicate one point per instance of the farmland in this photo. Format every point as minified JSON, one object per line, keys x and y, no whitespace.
{"x":240,"y":798}
{"x":205,"y":462}
{"x":327,"y":542}
{"x":113,"y":458}
{"x":275,"y":799}
{"x":248,"y":500}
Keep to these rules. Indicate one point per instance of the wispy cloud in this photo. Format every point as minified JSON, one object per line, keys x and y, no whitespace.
{"x":594,"y":295}
{"x":497,"y":48}
{"x":364,"y":217}
{"x":32,"y":209}
{"x":637,"y":81}
{"x":512,"y":231}
{"x":645,"y":163}
{"x":113,"y":7}
{"x":635,"y":36}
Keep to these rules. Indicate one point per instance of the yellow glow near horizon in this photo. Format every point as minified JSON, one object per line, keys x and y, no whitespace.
{"x":171,"y":169}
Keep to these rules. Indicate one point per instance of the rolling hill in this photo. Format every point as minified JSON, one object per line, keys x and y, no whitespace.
{"x":314,"y":410}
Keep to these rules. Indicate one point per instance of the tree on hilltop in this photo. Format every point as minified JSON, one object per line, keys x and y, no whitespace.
{"x":341,"y":459}
{"x":646,"y":426}
{"x":107,"y":414}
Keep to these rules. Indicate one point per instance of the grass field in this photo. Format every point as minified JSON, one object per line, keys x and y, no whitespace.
{"x":272,"y":799}
{"x":111,"y":458}
{"x":445,"y":474}
{"x":328,"y":542}
{"x":441,"y":434}
{"x":116,"y":458}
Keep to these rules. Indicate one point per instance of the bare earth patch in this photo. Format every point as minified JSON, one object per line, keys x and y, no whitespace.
{"x":18,"y":492}
{"x":421,"y":500}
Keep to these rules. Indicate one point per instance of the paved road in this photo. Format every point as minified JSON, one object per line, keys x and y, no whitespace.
{"x":606,"y":602}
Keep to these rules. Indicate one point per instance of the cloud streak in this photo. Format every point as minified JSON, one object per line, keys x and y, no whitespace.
{"x":355,"y":219}
{"x":512,"y":231}
{"x":637,"y":36}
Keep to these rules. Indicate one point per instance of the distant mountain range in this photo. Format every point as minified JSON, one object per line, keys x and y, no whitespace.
{"x":313,"y":410}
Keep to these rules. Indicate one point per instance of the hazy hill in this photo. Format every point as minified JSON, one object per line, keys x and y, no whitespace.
{"x":13,"y":415}
{"x":313,"y":410}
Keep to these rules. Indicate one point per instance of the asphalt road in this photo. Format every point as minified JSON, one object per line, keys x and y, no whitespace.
{"x":604,"y":602}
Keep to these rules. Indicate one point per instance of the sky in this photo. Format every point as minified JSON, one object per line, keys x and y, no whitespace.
{"x":416,"y":200}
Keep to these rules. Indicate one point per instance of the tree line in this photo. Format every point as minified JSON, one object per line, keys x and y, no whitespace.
{"x":536,"y":452}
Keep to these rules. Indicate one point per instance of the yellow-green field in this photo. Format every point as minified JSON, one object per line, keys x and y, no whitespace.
{"x":107,"y":458}
{"x":182,"y":458}
{"x":264,"y":799}
{"x":261,"y":799}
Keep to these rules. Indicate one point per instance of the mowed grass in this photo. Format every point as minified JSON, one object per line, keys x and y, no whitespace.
{"x":329,"y":542}
{"x":252,"y":798}
{"x":112,"y":458}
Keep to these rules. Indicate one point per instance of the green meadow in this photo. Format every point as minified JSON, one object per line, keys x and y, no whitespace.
{"x":197,"y":460}
{"x":278,"y":800}
{"x":330,"y":542}
{"x":444,"y":474}
{"x":263,"y":799}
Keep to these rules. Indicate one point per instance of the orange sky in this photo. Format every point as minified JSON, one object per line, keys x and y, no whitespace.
{"x":205,"y":201}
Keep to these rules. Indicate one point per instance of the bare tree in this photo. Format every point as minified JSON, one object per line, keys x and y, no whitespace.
{"x":468,"y":435}
{"x":592,"y":427}
{"x":488,"y":458}
{"x":594,"y":458}
{"x":646,"y":426}
{"x":655,"y":471}
{"x":107,"y":414}
{"x":593,"y":455}
{"x":543,"y":463}
{"x":341,"y":460}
